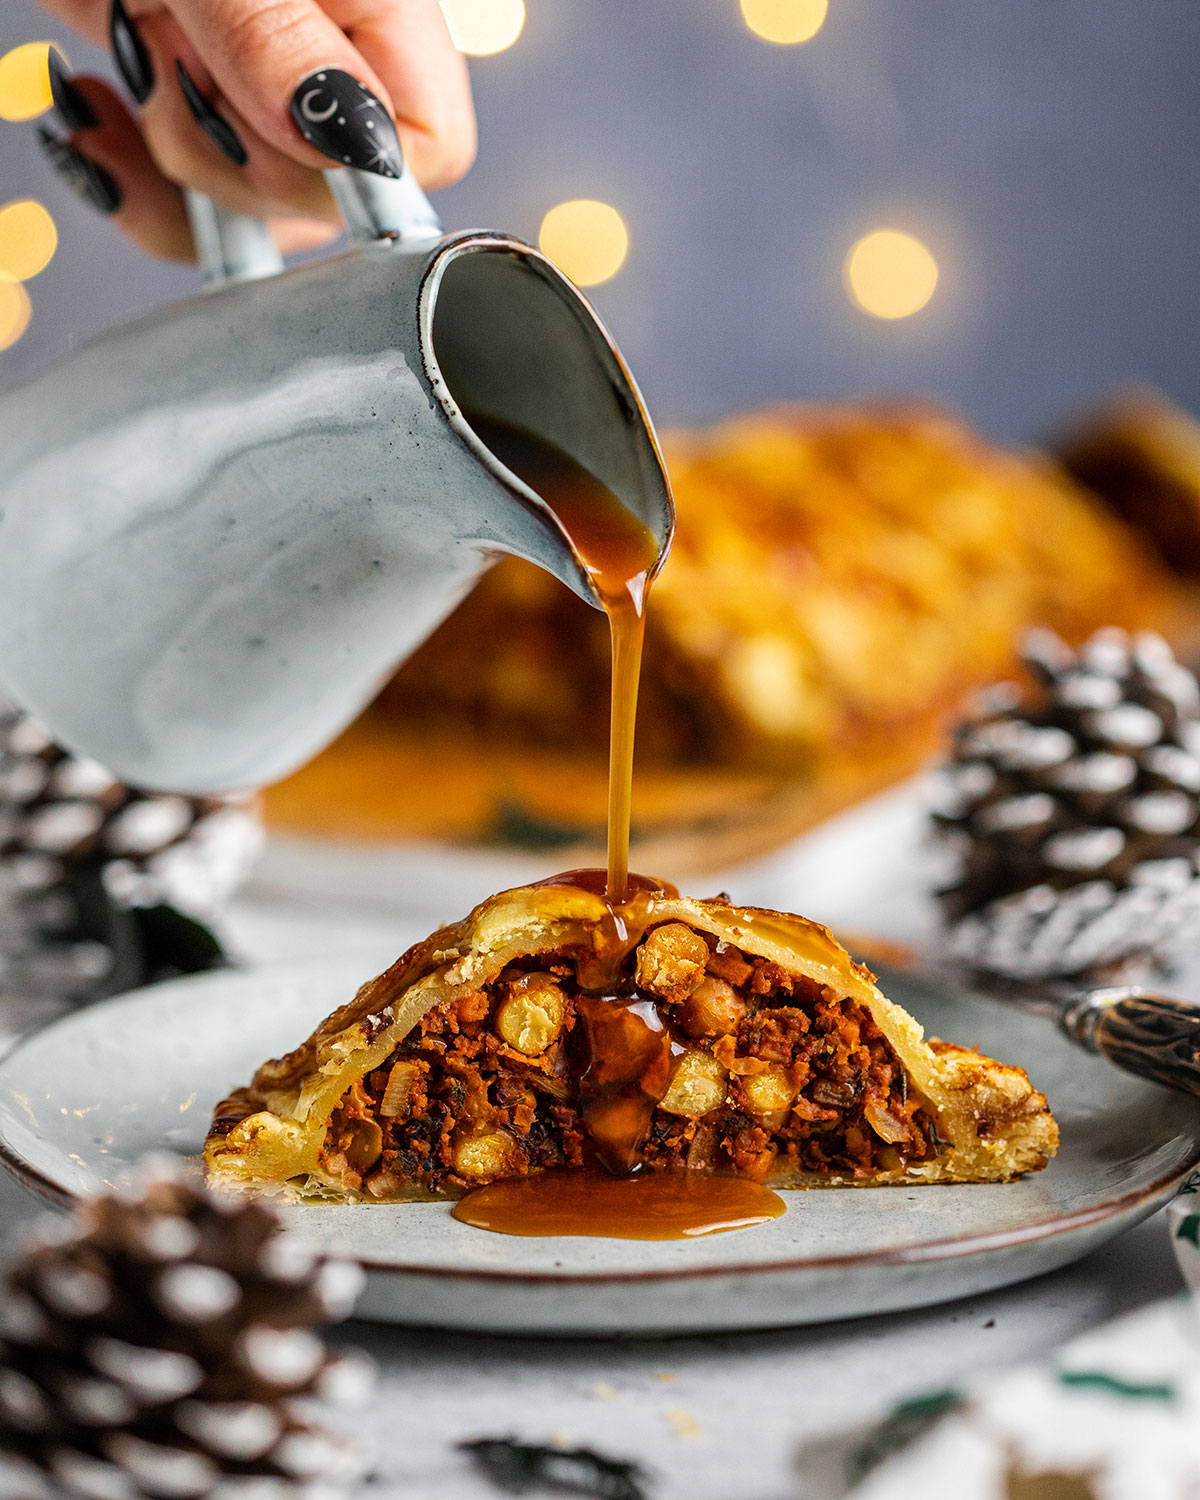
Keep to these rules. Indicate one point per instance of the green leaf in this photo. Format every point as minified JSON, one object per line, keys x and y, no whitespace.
{"x":147,"y":943}
{"x":931,"y":1404}
{"x":173,"y":943}
{"x":1098,"y":1380}
{"x":1189,"y":1230}
{"x":517,"y":1467}
{"x":904,"y":1425}
{"x":515,"y":824}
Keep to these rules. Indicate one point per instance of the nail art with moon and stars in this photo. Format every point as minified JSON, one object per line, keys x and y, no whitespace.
{"x":344,"y":120}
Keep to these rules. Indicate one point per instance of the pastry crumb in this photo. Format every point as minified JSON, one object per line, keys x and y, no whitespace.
{"x":682,"y":1421}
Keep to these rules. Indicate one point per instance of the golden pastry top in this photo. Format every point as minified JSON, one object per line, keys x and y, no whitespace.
{"x":271,"y":1133}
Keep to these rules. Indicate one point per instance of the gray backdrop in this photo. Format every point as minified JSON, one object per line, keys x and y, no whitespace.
{"x":1044,"y":149}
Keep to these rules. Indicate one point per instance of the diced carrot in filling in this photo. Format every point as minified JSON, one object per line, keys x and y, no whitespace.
{"x":699,"y":1057}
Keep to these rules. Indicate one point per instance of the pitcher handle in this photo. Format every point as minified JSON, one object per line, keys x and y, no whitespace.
{"x":383,"y":208}
{"x":229,"y":246}
{"x":235,"y":247}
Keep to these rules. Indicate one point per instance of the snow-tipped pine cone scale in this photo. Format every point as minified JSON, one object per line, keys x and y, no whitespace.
{"x":104,"y":886}
{"x":1072,"y":812}
{"x":163,"y":1345}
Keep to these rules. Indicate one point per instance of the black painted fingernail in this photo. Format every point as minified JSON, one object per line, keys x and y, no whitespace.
{"x":133,"y":60}
{"x":93,"y":184}
{"x":73,"y":109}
{"x":344,"y":120}
{"x":216,"y":127}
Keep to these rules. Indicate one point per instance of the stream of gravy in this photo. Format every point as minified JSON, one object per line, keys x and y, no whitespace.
{"x":628,"y":1052}
{"x":618,"y":552}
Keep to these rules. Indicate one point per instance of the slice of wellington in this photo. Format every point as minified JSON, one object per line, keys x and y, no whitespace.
{"x":549,"y":1030}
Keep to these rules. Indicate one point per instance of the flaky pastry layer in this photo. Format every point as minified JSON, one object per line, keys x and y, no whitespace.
{"x":990,"y":1123}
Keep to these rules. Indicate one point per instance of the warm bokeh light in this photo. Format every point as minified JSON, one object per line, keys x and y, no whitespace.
{"x":15,"y":312}
{"x":785,"y":22}
{"x":25,"y":82}
{"x":889,"y":274}
{"x":481,"y":27}
{"x":28,"y":239}
{"x":585,"y":238}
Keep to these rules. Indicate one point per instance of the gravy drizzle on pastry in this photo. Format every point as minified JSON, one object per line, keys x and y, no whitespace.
{"x":627,"y":1045}
{"x":627,"y":1051}
{"x":618,"y":552}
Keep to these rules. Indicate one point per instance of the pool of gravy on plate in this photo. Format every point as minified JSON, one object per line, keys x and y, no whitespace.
{"x":629,"y":1051}
{"x":652,"y":1206}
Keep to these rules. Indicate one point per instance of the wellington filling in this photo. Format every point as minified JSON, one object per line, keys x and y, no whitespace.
{"x":693,"y":1056}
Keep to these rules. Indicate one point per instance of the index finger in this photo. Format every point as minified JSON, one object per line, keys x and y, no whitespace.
{"x":303,"y":84}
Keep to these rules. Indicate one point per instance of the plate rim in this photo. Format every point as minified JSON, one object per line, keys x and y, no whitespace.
{"x":1149,"y":1196}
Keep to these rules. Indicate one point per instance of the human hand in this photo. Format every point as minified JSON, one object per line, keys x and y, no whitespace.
{"x":248,"y":100}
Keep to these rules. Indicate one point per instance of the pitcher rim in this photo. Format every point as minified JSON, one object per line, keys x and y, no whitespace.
{"x":492,"y":241}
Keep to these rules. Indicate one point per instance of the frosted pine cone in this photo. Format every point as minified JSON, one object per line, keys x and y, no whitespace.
{"x":161,"y":1347}
{"x":103,"y":887}
{"x":1072,"y":813}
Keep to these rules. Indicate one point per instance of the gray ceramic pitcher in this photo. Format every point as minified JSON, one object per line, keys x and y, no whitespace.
{"x":222,"y":524}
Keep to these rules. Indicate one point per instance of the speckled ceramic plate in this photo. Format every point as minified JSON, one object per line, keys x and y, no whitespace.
{"x":83,"y":1099}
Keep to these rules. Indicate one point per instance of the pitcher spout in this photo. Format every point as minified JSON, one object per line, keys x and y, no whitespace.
{"x":508,"y":342}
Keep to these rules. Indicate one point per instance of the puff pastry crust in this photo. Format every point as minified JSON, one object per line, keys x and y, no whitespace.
{"x":711,"y":1038}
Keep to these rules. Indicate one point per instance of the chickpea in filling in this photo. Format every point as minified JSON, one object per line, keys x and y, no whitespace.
{"x":755,"y":1071}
